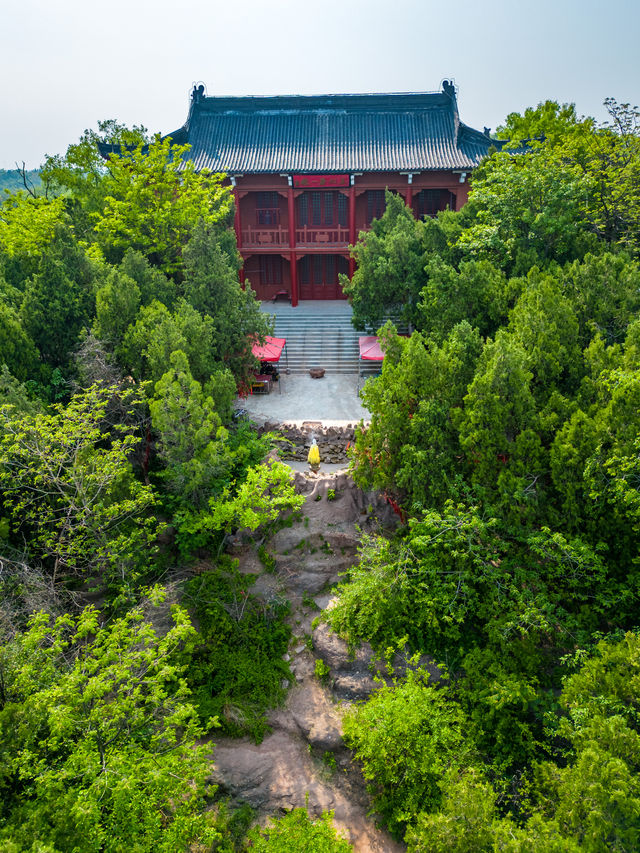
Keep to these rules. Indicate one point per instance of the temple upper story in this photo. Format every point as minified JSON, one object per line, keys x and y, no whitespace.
{"x":310,"y":172}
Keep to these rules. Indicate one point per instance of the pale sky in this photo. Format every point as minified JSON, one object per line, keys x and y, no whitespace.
{"x":65,"y":64}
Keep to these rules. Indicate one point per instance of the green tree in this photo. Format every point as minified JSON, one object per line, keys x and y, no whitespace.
{"x":470,"y":822}
{"x":69,"y":490}
{"x":389,"y":273}
{"x":151,"y":282}
{"x":59,"y":299}
{"x":211,"y":285}
{"x":606,"y":156}
{"x":237,"y":670}
{"x":549,"y":122}
{"x":595,"y":798}
{"x":499,"y":409}
{"x":153,"y":198}
{"x":612,"y":156}
{"x":407,"y":737}
{"x":17,"y":350}
{"x":193,"y":442}
{"x":466,"y":823}
{"x":158,"y":332}
{"x":545,"y":326}
{"x":98,"y":737}
{"x":28,"y":225}
{"x":296,"y":831}
{"x":604,"y":291}
{"x":80,"y":174}
{"x":530,"y":208}
{"x":117,"y":304}
{"x":411,"y":444}
{"x":476,"y":293}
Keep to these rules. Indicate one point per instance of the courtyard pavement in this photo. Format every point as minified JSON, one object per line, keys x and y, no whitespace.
{"x":331,"y":400}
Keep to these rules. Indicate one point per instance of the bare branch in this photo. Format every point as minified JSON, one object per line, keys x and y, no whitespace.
{"x":22,"y":171}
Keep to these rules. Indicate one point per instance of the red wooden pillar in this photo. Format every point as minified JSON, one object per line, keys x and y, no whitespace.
{"x":352,"y":227}
{"x":237,"y":225}
{"x":409,"y":196}
{"x":293,"y":260}
{"x":236,"y":220}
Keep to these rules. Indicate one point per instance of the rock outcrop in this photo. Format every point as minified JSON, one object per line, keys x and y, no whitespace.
{"x":304,"y":762}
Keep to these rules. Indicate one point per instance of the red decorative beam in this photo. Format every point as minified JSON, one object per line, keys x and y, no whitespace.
{"x":320,"y":181}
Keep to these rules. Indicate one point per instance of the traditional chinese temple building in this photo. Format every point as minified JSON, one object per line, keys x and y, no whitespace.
{"x":310,"y":172}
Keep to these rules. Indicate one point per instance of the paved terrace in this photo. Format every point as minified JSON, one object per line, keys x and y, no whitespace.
{"x":320,"y":307}
{"x":332,"y":400}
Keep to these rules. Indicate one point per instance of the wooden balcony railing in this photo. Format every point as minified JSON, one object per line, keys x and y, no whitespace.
{"x":319,"y":236}
{"x":265,"y":235}
{"x":276,"y":235}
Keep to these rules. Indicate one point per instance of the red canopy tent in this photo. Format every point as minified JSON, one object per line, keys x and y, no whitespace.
{"x":370,"y":348}
{"x":271,"y":351}
{"x":369,"y":351}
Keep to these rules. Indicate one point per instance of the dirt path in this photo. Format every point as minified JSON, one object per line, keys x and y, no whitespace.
{"x":304,"y":761}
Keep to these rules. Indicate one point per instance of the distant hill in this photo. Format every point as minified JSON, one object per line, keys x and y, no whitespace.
{"x":10,"y":179}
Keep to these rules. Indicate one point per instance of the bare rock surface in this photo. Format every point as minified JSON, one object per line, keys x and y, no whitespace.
{"x":303,"y":762}
{"x":279,"y":775}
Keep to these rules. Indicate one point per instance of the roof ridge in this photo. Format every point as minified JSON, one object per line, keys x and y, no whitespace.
{"x":323,"y":95}
{"x":383,"y":101}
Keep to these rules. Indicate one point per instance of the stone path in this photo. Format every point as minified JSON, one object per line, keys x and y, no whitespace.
{"x":304,"y":761}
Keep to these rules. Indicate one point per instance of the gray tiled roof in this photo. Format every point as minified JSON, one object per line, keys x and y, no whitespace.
{"x":331,"y":133}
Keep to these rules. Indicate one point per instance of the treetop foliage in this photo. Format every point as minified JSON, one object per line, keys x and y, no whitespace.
{"x":96,"y":726}
{"x":124,"y":336}
{"x":506,"y":428}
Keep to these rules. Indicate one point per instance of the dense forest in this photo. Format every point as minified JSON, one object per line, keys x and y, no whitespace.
{"x":505,"y":428}
{"x":20,"y":178}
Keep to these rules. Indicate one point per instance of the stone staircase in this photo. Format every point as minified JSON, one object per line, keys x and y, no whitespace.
{"x":319,"y":334}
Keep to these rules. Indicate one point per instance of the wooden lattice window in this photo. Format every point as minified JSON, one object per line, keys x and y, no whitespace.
{"x":429,"y":202}
{"x":322,"y":269}
{"x":318,"y":269}
{"x":270,"y":269}
{"x":343,"y":210}
{"x":317,"y":208}
{"x":320,"y":209}
{"x":303,"y":209}
{"x":303,"y":270}
{"x":328,"y":211}
{"x":267,"y":208}
{"x":330,"y":269}
{"x":375,"y":205}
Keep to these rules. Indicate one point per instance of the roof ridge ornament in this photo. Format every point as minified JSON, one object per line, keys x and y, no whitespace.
{"x":449,"y":88}
{"x":197,"y":93}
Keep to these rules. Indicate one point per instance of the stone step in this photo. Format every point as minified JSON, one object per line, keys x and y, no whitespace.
{"x":320,"y":339}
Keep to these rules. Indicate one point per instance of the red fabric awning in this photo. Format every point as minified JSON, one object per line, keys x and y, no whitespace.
{"x":370,"y":348}
{"x":271,"y":350}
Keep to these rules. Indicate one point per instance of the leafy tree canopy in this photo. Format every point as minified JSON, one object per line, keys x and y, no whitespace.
{"x":98,"y":737}
{"x":153,"y":197}
{"x":296,"y":831}
{"x":389,"y":267}
{"x":69,"y":490}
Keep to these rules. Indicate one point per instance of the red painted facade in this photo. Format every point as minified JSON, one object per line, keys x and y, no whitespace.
{"x":295,"y":239}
